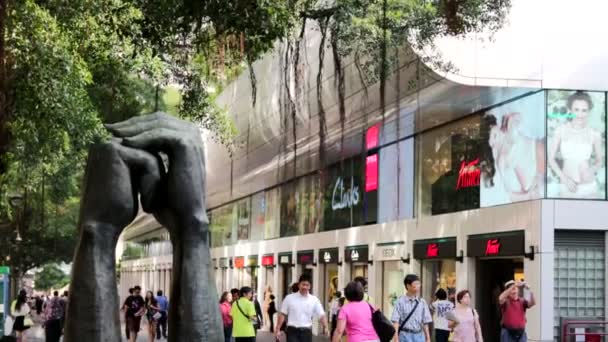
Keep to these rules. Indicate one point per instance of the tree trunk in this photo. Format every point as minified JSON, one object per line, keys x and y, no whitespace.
{"x":4,"y":95}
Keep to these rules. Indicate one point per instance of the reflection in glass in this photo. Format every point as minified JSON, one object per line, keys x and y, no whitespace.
{"x":576,"y":134}
{"x":392,"y":285}
{"x":272,"y":214}
{"x":448,"y":168}
{"x":438,"y":274}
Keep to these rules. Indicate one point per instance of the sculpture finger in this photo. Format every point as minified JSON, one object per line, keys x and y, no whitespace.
{"x":145,"y":123}
{"x":148,"y":170}
{"x":157,"y":139}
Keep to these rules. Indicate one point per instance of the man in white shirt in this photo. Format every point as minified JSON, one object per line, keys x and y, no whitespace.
{"x":301,"y":307}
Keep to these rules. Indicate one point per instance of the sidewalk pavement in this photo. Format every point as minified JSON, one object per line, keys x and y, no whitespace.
{"x":36,"y":334}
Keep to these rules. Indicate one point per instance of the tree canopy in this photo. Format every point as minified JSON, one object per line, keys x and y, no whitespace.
{"x":68,"y":66}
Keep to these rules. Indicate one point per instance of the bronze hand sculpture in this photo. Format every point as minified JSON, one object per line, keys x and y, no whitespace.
{"x":116,"y":174}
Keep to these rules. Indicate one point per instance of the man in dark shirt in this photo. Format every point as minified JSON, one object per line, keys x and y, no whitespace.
{"x":126,"y":326}
{"x":513,"y":309}
{"x":135,"y":307}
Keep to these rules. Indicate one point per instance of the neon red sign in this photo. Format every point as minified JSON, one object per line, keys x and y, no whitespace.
{"x":371,"y":137}
{"x":492,"y":247}
{"x":371,"y":173}
{"x":432,"y":250}
{"x":468,"y":175}
{"x":268,"y":260}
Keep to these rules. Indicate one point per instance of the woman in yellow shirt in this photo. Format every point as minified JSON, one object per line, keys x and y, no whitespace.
{"x":243,"y":314}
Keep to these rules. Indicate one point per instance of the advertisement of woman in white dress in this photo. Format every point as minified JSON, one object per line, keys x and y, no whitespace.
{"x":576,"y":147}
{"x":513,"y":152}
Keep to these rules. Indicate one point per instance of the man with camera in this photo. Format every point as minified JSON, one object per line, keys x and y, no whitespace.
{"x":513,"y":308}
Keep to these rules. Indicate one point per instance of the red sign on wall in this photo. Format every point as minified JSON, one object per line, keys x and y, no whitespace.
{"x":432,"y":250}
{"x":493,"y":247}
{"x":239,"y":262}
{"x":371,"y":137}
{"x":371,"y":173}
{"x":469,"y":174}
{"x":268,"y":260}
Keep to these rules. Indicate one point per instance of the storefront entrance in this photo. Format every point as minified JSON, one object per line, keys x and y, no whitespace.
{"x":285,"y":275}
{"x":438,"y":266}
{"x":357,"y":257}
{"x":491,"y":275}
{"x":389,"y":275}
{"x":307,"y":261}
{"x":499,"y":258}
{"x":328,"y":258}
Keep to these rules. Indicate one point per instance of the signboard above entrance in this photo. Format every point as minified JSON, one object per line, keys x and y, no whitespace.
{"x":286,"y":258}
{"x":444,"y":248}
{"x":268,"y":260}
{"x":306,"y":257}
{"x":224,"y":262}
{"x":239,"y":262}
{"x":328,"y":256}
{"x":356,"y":253}
{"x":497,"y":245}
{"x":389,"y":251}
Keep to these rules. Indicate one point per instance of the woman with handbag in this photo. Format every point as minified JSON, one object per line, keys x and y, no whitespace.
{"x":466,"y":320}
{"x":20,"y":310}
{"x":243,"y":316}
{"x":355,"y":317}
{"x":152,"y":315}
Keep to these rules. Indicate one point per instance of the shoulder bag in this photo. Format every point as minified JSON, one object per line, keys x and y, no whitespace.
{"x":383,"y":327}
{"x":409,"y":316}
{"x":253,"y":321}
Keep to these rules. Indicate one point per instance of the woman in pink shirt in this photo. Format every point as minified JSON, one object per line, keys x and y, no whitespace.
{"x":225,"y":308}
{"x":355,"y":317}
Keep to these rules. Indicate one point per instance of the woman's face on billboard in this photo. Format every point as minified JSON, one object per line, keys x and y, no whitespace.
{"x":580,"y":109}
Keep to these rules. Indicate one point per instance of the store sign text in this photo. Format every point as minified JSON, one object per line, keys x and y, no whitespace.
{"x":268,"y":260}
{"x":239,"y":262}
{"x":432,"y":250}
{"x":354,"y":255}
{"x":284,"y":259}
{"x":342,"y":198}
{"x":371,"y":173}
{"x":388,"y":253}
{"x":327,"y":257}
{"x":492,"y":247}
{"x":469,"y":174}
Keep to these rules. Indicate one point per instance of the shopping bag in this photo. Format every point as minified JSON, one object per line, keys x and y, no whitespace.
{"x":8,"y":326}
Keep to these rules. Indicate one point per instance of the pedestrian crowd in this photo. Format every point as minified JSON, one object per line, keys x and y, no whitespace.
{"x":353,"y":317}
{"x":26,"y":311}
{"x":153,"y":310}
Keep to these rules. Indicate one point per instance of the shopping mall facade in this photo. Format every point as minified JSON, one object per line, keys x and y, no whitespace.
{"x":493,"y":171}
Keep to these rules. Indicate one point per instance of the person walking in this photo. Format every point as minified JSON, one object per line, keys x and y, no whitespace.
{"x":272,"y":309}
{"x":333,"y":310}
{"x":513,"y":309}
{"x":300,"y":308}
{"x":259,"y":323}
{"x":243,"y":313}
{"x":163,"y":305}
{"x":411,"y":315}
{"x":20,"y":310}
{"x":126,"y":325}
{"x":440,"y":308}
{"x":135,"y":307}
{"x":235,"y":295}
{"x":466,"y":320}
{"x":355,"y":317}
{"x":225,"y":308}
{"x":53,"y":313}
{"x":152,"y":315}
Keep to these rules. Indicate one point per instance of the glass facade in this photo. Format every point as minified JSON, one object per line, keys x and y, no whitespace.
{"x":551,"y":143}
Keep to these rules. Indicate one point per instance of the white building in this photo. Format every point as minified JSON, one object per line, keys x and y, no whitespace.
{"x":464,"y":180}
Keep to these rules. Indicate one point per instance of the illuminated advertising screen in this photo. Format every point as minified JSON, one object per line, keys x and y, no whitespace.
{"x":511,"y":167}
{"x":576,"y":127}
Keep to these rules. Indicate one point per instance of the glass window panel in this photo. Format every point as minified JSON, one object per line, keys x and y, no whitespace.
{"x":448,"y":168}
{"x":513,"y":152}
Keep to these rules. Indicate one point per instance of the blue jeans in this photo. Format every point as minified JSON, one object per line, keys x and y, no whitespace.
{"x":409,"y":337}
{"x":228,"y":333}
{"x":506,"y":337}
